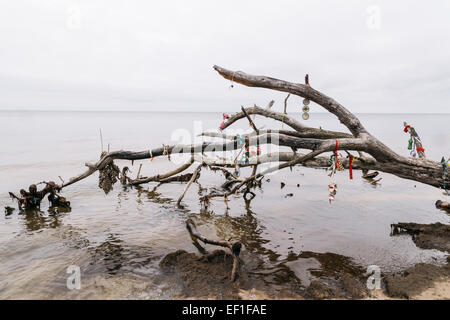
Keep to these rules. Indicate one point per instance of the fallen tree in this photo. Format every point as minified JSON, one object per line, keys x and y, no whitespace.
{"x":372,"y":153}
{"x":308,"y":145}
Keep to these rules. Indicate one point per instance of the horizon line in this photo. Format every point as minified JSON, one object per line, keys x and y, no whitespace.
{"x":195,"y":111}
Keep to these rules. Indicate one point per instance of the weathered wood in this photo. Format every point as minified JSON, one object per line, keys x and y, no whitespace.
{"x":235,"y":247}
{"x":305,"y":91}
{"x":318,"y":141}
{"x":421,"y":170}
{"x":442,"y":205}
{"x":163,"y":177}
{"x":193,"y":178}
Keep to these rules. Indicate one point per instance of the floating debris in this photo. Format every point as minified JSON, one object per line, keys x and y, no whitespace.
{"x":289,"y":195}
{"x":9,"y":210}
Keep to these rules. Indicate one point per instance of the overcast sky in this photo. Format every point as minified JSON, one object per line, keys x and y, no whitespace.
{"x":372,"y":56}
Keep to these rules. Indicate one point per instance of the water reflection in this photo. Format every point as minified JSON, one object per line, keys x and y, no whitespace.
{"x":108,"y":255}
{"x":153,"y":195}
{"x":35,"y":219}
{"x":114,"y":256}
{"x":293,"y":272}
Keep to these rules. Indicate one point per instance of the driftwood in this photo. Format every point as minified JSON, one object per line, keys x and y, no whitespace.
{"x":443,"y":205}
{"x":373,"y":154}
{"x":195,"y":176}
{"x":308,"y":146}
{"x":382,"y":158}
{"x":33,"y":197}
{"x":235,"y":247}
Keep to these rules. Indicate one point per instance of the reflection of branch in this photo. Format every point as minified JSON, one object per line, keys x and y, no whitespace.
{"x":235,"y":248}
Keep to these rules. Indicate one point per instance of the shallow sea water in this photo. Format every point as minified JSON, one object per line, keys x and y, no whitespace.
{"x":118,"y":239}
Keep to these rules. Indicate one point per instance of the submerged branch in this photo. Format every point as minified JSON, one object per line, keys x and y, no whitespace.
{"x":235,"y":248}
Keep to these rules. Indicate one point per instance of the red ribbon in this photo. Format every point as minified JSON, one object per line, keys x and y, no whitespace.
{"x":406,"y":128}
{"x":225,"y":116}
{"x":350,"y":168}
{"x":420,"y":149}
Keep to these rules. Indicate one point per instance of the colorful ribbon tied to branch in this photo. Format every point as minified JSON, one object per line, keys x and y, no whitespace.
{"x":410,"y":144}
{"x":338,"y":164}
{"x":225,"y":117}
{"x":350,"y":166}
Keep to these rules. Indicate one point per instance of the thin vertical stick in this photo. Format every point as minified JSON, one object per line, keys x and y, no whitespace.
{"x":194,"y":176}
{"x":139,"y":171}
{"x":101,"y":138}
{"x":285,"y":110}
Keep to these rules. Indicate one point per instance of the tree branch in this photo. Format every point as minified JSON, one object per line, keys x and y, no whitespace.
{"x":344,"y":116}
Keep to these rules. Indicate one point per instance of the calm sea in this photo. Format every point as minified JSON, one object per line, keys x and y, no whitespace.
{"x":118,"y":239}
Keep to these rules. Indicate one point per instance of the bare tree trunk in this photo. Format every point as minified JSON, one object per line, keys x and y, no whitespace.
{"x":317,"y":141}
{"x":386,"y":160}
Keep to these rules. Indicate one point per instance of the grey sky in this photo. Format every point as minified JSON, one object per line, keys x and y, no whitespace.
{"x":158,"y":55}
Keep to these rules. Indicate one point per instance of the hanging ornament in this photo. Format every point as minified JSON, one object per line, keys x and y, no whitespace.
{"x":305,"y":109}
{"x":236,"y":170}
{"x":338,"y":163}
{"x":414,"y":142}
{"x":332,"y":188}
